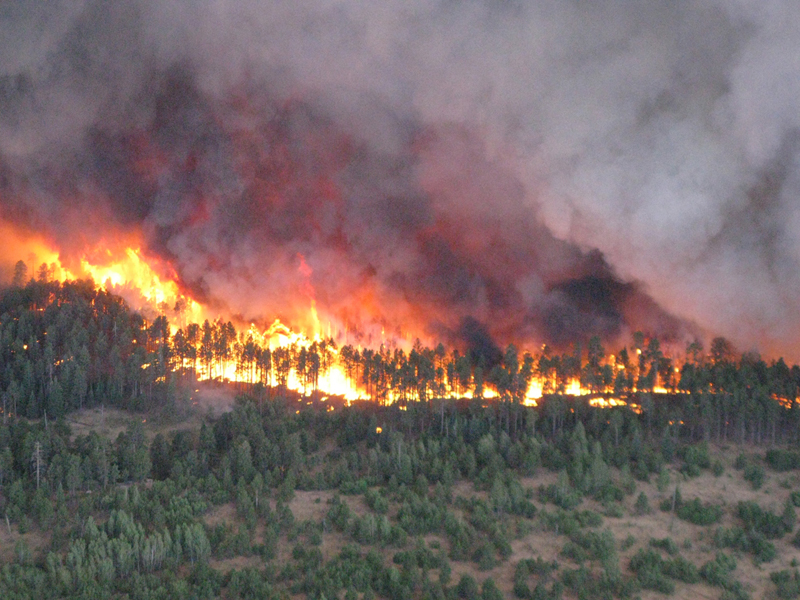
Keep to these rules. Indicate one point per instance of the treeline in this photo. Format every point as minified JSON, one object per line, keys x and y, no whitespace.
{"x":64,"y":346}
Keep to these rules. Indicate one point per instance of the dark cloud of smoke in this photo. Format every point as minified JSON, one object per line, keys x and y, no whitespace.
{"x":548,"y":169}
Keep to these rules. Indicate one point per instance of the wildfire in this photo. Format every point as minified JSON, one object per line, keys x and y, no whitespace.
{"x":124,"y":272}
{"x":534,"y":393}
{"x":297,"y":361}
{"x":606,"y":402}
{"x":130,"y":270}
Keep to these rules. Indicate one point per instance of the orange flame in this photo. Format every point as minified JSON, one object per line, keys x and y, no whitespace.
{"x":127,"y":272}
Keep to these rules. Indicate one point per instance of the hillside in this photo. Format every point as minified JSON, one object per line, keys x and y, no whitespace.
{"x":280,"y":498}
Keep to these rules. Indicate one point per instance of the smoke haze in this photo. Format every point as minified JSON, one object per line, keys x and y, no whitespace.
{"x":490,"y":169}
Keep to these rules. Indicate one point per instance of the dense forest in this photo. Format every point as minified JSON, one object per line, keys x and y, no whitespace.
{"x":66,"y":346}
{"x":431,"y":496}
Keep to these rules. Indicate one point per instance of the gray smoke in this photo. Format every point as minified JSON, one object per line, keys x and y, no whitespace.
{"x":512,"y":162}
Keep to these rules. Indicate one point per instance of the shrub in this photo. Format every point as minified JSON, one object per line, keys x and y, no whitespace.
{"x":467,"y":588}
{"x":587,"y":584}
{"x":655,"y":573}
{"x":662,"y":483}
{"x":642,"y":506}
{"x":753,"y":542}
{"x":628,"y":542}
{"x":376,"y":501}
{"x":563,"y":496}
{"x":647,"y":564}
{"x":590,"y":546}
{"x":665,"y":544}
{"x":486,"y":556}
{"x":735,"y":591}
{"x":772,"y":526}
{"x":489,"y":590}
{"x":754,"y":473}
{"x":540,"y":568}
{"x":568,"y":522}
{"x":789,"y":517}
{"x":783,"y":460}
{"x":696,"y":458}
{"x":717,"y":572}
{"x":763,"y":550}
{"x":698,"y":513}
{"x":788,"y":583}
{"x":609,"y":493}
{"x":588,"y":518}
{"x":681,"y":569}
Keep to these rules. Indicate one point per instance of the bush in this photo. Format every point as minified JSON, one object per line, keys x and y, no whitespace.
{"x":628,"y":542}
{"x":588,"y":585}
{"x":486,"y":556}
{"x":655,"y":573}
{"x":665,"y":544}
{"x":717,"y":572}
{"x":754,"y":473}
{"x":648,"y":564}
{"x":590,"y":546}
{"x":563,"y":496}
{"x":770,"y":525}
{"x":753,"y":542}
{"x":614,"y":511}
{"x":735,"y":591}
{"x":642,"y":506}
{"x":763,"y":550}
{"x":561,"y":522}
{"x":662,"y":483}
{"x":788,"y":584}
{"x":376,"y":501}
{"x":696,"y":458}
{"x":467,"y":588}
{"x":527,"y":567}
{"x":489,"y":590}
{"x":588,"y":518}
{"x":681,"y":569}
{"x":783,"y":460}
{"x":698,"y":513}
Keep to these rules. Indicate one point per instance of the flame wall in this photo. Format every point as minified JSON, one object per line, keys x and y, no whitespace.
{"x":479,"y":171}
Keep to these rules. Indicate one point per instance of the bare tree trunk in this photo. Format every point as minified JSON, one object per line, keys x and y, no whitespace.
{"x":37,"y":455}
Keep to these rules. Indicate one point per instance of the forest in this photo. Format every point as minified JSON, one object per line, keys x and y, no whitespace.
{"x":442,"y":483}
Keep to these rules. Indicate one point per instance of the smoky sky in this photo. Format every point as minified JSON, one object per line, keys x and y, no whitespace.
{"x":547,"y":170}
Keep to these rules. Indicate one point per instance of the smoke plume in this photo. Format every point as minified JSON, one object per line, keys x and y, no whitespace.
{"x":488,"y":169}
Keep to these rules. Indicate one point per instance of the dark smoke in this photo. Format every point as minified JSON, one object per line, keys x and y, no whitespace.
{"x":481,"y":348}
{"x":588,"y":304}
{"x":546,"y":171}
